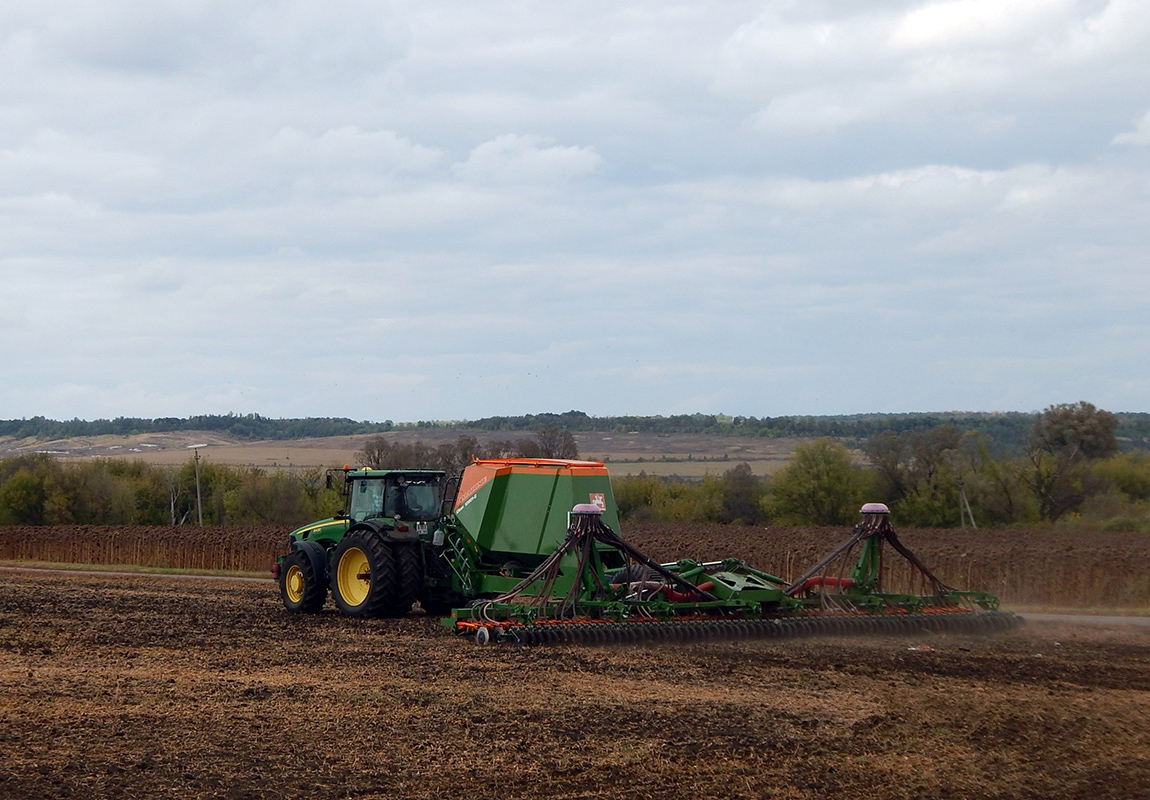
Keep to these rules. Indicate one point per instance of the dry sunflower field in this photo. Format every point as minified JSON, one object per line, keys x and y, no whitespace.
{"x":1038,"y":566}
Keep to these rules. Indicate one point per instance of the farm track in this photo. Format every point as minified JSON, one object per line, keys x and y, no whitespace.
{"x":147,"y":686}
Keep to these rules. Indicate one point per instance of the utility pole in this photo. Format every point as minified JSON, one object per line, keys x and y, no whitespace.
{"x":964,"y":511}
{"x":199,"y":501}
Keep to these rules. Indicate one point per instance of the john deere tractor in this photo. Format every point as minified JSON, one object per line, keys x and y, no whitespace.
{"x":374,"y":555}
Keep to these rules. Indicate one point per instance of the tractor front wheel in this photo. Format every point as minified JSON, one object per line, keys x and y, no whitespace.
{"x":300,"y":588}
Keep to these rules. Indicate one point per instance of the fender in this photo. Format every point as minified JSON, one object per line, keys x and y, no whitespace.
{"x":317,"y":556}
{"x":401,"y":532}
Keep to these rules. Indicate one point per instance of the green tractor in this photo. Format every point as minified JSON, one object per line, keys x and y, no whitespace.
{"x":374,"y":554}
{"x":526,"y":550}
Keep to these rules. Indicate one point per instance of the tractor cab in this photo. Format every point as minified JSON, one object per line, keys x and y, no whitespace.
{"x":408,"y":496}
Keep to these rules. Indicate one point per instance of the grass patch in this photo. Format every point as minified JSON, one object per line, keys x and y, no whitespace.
{"x":59,"y":565}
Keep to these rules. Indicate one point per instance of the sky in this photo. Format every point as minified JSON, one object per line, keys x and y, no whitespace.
{"x":427,"y":210}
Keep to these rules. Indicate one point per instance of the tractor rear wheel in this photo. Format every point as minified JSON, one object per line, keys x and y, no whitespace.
{"x":363,"y":577}
{"x":408,"y":577}
{"x":300,"y":588}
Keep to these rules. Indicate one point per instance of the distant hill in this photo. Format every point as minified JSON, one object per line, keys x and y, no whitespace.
{"x":1007,"y":431}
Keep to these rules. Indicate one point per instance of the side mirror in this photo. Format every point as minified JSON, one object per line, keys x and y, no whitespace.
{"x":330,"y":485}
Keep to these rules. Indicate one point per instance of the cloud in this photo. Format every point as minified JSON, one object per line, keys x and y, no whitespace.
{"x":346,"y":162}
{"x":934,"y":71}
{"x":980,"y":23}
{"x":426,"y":210}
{"x":1140,"y":135}
{"x":525,"y":159}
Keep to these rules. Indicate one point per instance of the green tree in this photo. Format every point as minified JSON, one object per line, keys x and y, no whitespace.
{"x":88,"y":493}
{"x":636,"y":496}
{"x":1063,"y":439}
{"x":1075,"y":428}
{"x":821,"y":485}
{"x":689,"y":501}
{"x":1124,"y":503}
{"x":1128,"y":474}
{"x":268,"y":497}
{"x":918,"y":471}
{"x":22,"y":497}
{"x":215,"y":483}
{"x":886,"y":453}
{"x":741,"y":496}
{"x":931,"y":498}
{"x":151,"y":497}
{"x":995,"y":487}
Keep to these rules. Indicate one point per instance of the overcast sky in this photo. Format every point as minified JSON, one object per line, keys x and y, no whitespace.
{"x":449,"y":210}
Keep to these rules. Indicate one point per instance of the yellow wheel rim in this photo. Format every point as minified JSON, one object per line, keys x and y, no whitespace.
{"x":294,"y":583}
{"x":353,"y":576}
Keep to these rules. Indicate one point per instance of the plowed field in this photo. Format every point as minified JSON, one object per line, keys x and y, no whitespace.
{"x":155,"y":687}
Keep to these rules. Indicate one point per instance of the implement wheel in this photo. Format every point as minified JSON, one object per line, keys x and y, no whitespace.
{"x":300,"y":588}
{"x":365,"y":577}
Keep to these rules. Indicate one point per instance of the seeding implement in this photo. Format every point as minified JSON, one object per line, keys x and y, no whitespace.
{"x":526,"y":550}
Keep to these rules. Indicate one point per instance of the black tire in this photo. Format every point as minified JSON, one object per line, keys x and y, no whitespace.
{"x":408,"y":577}
{"x":300,"y":588}
{"x":363,"y":575}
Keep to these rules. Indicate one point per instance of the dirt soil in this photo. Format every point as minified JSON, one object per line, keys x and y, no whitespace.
{"x":151,"y":686}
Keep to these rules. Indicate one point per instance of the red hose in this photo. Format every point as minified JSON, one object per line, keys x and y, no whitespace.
{"x":826,"y":580}
{"x":683,"y":597}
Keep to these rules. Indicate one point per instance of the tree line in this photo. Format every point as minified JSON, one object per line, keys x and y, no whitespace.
{"x":1071,"y":466}
{"x":241,"y":426}
{"x":40,"y":490}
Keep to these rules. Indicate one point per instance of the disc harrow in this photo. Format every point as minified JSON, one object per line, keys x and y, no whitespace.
{"x":591,"y":632}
